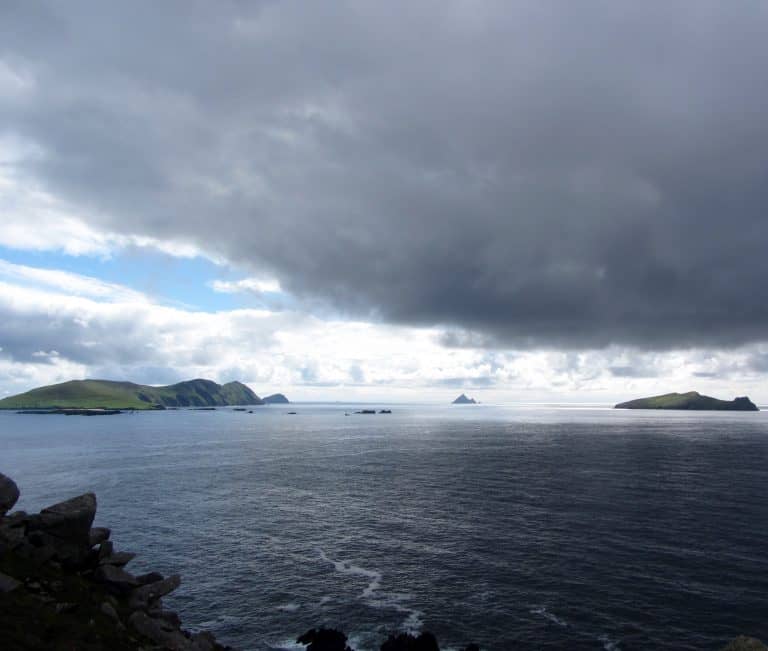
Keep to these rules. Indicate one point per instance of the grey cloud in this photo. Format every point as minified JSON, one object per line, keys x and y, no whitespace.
{"x":524,"y":174}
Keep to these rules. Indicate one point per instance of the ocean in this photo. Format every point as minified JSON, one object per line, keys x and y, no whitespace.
{"x":525,"y":527}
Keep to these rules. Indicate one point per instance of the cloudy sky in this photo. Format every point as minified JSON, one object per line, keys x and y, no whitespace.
{"x":527,"y":200}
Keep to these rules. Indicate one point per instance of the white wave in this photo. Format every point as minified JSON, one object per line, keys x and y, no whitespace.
{"x":541,"y":610}
{"x":287,"y":645}
{"x":374,"y":597}
{"x":289,"y":607}
{"x":609,"y":644}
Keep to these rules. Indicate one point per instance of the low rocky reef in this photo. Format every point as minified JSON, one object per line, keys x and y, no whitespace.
{"x":63,"y":585}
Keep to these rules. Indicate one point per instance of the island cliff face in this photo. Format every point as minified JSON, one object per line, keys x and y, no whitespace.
{"x":691,"y":401}
{"x":107,"y":394}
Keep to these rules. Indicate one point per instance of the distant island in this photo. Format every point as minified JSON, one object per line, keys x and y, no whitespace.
{"x":107,"y":394}
{"x":691,"y":400}
{"x":276,"y":399}
{"x":463,"y":400}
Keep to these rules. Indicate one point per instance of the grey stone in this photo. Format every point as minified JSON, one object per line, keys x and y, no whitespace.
{"x":159,"y":632}
{"x":11,"y":536}
{"x":150,"y":577}
{"x":69,"y":520}
{"x":109,"y":610}
{"x":117,"y":558}
{"x":8,"y":583}
{"x":203,"y":641}
{"x":98,"y":535}
{"x":115,"y":576}
{"x":9,"y":494}
{"x":106,"y":549}
{"x":168,"y":615}
{"x":141,"y":597}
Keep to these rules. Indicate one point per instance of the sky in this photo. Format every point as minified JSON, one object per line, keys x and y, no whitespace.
{"x":522,"y":200}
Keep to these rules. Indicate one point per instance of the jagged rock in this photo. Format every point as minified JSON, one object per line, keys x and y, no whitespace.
{"x":203,"y":641}
{"x":9,"y":494}
{"x":106,"y":549}
{"x":141,"y":597}
{"x":69,"y":520}
{"x":407,"y":642}
{"x":8,"y":583}
{"x":324,"y":639}
{"x":109,"y":610}
{"x":98,"y":535}
{"x":66,"y":607}
{"x":11,"y":535}
{"x":117,"y":558}
{"x":115,"y":576}
{"x":159,"y":631}
{"x":744,"y":643}
{"x":167,"y":615}
{"x":150,"y":577}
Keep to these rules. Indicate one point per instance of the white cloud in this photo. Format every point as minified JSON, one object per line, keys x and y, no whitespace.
{"x":34,"y":219}
{"x":258,"y":285}
{"x":55,"y":325}
{"x":70,"y":283}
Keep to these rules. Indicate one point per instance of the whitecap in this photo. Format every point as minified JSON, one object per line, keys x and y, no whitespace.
{"x":609,"y":644}
{"x":541,"y":610}
{"x":373,"y":596}
{"x":289,"y":607}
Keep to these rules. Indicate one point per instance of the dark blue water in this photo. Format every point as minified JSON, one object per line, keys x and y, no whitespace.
{"x":527,"y":528}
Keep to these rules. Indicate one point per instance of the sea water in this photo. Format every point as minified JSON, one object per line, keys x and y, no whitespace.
{"x":527,"y":527}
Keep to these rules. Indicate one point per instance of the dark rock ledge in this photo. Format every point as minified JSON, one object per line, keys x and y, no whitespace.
{"x":64,"y":586}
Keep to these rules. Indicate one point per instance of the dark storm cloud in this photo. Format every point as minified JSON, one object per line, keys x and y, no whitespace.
{"x":525,"y":174}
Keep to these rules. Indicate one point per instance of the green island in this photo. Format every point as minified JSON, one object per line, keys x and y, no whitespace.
{"x":692,"y":400}
{"x":108,"y":394}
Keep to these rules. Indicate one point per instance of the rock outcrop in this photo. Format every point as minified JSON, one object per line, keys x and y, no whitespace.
{"x":64,"y":585}
{"x":329,"y":639}
{"x":9,"y":494}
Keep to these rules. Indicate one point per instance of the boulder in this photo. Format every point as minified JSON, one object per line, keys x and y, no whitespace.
{"x":407,"y":642}
{"x":159,"y":631}
{"x":117,"y":558}
{"x":106,"y":549}
{"x":70,"y":520}
{"x":141,"y":597}
{"x":98,"y":535}
{"x":203,"y":641}
{"x":109,"y":610}
{"x":149,"y":577}
{"x":324,"y":639}
{"x":9,"y":494}
{"x":8,"y":583}
{"x":115,"y":577}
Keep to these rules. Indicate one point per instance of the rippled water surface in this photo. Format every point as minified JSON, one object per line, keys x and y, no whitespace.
{"x":516,"y":528}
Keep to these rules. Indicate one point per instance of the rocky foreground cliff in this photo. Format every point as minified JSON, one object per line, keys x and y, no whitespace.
{"x":63,"y":585}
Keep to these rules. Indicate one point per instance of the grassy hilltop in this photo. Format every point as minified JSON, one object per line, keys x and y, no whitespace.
{"x":84,"y":394}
